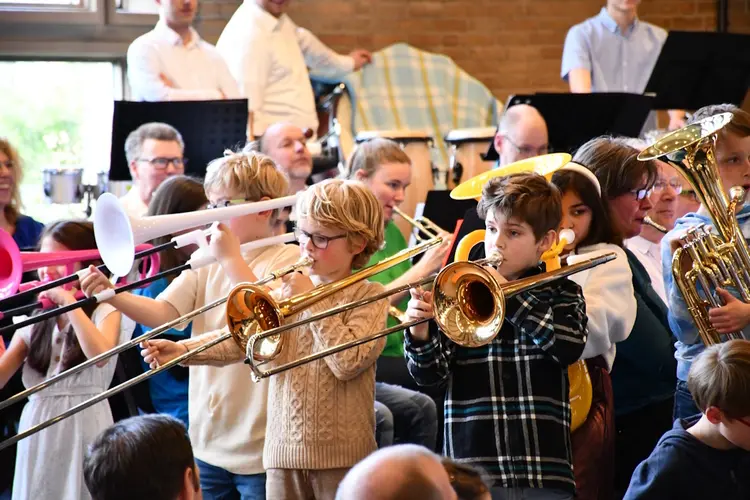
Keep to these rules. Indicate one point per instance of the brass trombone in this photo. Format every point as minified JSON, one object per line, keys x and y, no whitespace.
{"x":304,"y":262}
{"x":721,"y":260}
{"x":423,"y":225}
{"x":468,"y":306}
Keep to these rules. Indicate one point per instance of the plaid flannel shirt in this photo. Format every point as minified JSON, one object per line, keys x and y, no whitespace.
{"x":507,"y":408}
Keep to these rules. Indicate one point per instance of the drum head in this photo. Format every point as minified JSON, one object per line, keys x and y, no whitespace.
{"x":397,"y":135}
{"x":461,"y":135}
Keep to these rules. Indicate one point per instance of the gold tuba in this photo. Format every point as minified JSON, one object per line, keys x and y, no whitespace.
{"x":714,"y":260}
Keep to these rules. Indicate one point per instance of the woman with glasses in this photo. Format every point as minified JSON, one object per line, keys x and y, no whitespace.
{"x":643,"y":374}
{"x":664,"y":197}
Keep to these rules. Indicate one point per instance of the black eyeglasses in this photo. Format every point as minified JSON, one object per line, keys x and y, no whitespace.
{"x":528,"y":150}
{"x":161,"y":163}
{"x":226,"y":203}
{"x":318,"y":240}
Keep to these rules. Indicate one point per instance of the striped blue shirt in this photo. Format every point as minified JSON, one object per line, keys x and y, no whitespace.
{"x":507,"y":407}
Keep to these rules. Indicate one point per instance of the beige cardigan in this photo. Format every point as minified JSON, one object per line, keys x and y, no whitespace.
{"x":321,"y":415}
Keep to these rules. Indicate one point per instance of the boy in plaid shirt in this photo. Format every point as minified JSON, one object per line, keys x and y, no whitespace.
{"x":507,"y":407}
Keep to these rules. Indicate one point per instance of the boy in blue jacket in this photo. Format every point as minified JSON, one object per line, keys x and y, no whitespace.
{"x":706,"y":456}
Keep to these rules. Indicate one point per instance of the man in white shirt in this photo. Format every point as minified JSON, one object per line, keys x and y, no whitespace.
{"x":522,"y":133}
{"x":154,"y":153}
{"x":647,"y":245}
{"x":172,"y":62}
{"x":269,"y":55}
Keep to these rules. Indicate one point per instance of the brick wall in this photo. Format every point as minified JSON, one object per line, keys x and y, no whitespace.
{"x":739,"y":16}
{"x":513,"y":46}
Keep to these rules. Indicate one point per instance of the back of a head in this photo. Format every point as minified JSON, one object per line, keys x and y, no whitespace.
{"x":370,"y":155}
{"x":527,"y":196}
{"x":518,"y":113}
{"x":615,"y":163}
{"x":720,"y":377}
{"x":143,"y":458}
{"x":349,"y":206}
{"x":401,"y":472}
{"x":176,"y":195}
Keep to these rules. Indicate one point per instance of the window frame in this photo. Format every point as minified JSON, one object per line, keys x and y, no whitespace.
{"x":99,"y":13}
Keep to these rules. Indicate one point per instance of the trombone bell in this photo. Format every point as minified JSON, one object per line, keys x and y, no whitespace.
{"x":251,"y":310}
{"x":469,"y":304}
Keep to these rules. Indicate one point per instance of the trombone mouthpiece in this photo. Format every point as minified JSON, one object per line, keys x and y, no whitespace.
{"x":649,"y":222}
{"x":568,"y":236}
{"x":737,"y":193}
{"x":494,"y":259}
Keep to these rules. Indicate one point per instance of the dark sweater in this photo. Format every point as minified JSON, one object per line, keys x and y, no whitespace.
{"x":682,"y":467}
{"x":644,"y":371}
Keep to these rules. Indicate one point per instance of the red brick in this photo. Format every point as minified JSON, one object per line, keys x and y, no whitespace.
{"x":512,"y":46}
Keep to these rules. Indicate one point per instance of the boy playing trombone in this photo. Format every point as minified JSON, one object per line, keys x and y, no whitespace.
{"x":227,"y":415}
{"x":507,"y":408}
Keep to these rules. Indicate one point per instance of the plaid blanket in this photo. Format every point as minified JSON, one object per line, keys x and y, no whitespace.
{"x":407,"y":88}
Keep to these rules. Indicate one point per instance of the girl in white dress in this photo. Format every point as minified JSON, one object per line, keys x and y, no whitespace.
{"x":49,"y":464}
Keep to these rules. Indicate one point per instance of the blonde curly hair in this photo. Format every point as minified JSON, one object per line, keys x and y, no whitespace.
{"x":251,"y":175}
{"x":348,"y":206}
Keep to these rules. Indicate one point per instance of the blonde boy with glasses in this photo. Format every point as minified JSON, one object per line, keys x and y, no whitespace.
{"x":227,"y":412}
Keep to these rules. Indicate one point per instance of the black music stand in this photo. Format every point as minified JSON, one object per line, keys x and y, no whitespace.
{"x":697,"y":69}
{"x":471,"y":222}
{"x":207,"y":127}
{"x":573,"y":119}
{"x":444,"y":211}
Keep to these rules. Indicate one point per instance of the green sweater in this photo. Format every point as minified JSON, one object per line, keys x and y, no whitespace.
{"x":394,"y":243}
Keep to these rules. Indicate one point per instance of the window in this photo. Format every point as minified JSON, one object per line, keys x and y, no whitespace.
{"x":136,"y":6}
{"x":45,"y":3}
{"x":58,"y":114}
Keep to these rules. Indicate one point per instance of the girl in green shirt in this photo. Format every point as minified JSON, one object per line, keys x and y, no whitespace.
{"x":385,"y":168}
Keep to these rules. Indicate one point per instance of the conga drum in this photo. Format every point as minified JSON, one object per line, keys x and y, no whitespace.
{"x":417,"y":146}
{"x":467,"y":145}
{"x":63,"y":185}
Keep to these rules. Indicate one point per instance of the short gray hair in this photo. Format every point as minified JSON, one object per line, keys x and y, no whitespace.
{"x":155,"y":130}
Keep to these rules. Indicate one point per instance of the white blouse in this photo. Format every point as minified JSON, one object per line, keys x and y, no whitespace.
{"x":610,"y":300}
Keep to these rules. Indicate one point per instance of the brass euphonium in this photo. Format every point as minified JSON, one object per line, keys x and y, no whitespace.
{"x":714,"y":260}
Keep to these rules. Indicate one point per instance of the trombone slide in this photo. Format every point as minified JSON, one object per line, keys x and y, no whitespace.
{"x":504,"y":292}
{"x":153,"y":333}
{"x":110,"y":392}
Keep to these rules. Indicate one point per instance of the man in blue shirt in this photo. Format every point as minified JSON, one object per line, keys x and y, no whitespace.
{"x":614,"y":51}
